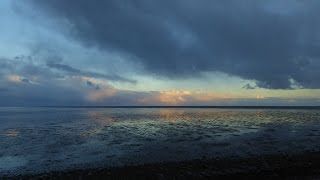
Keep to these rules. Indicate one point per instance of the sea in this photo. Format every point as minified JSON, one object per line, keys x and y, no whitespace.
{"x":46,"y":139}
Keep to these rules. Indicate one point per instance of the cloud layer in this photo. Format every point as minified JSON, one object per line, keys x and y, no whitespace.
{"x":168,"y":52}
{"x":274,"y":43}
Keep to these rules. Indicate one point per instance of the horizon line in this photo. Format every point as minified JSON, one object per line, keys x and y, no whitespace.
{"x":179,"y":106}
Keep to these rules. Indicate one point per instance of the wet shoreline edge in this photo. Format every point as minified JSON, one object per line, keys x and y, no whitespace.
{"x":279,"y":166}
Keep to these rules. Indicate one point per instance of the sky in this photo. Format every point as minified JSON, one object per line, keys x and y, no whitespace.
{"x":151,"y":52}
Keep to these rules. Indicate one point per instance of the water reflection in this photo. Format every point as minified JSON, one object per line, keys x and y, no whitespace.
{"x":12,"y":133}
{"x":174,"y":115}
{"x":101,"y":117}
{"x":97,"y":121}
{"x":62,"y":138}
{"x":259,"y":114}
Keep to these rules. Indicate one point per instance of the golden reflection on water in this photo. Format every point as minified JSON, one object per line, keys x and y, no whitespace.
{"x":174,"y":115}
{"x":12,"y":133}
{"x":260,"y":114}
{"x":149,"y":118}
{"x":216,"y":115}
{"x":100,"y":117}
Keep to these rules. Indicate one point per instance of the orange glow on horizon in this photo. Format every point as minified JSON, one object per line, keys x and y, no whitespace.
{"x":101,"y":95}
{"x":176,"y":97}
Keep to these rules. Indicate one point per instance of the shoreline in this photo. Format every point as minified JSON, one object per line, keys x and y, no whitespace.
{"x":280,"y":166}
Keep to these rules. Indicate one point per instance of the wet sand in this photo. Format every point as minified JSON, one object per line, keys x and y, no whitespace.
{"x":159,"y":143}
{"x":279,"y":166}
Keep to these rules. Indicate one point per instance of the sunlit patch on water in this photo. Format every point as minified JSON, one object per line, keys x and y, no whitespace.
{"x":11,"y":133}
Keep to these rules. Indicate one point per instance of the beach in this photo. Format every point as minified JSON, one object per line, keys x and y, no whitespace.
{"x":279,"y":166}
{"x":159,"y":143}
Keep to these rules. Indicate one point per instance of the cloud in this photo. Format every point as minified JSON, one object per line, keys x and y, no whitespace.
{"x":14,"y":78}
{"x":19,"y":93}
{"x":182,"y":97}
{"x":29,"y":81}
{"x":249,"y":86}
{"x":19,"y":79}
{"x":91,"y":84}
{"x":168,"y":97}
{"x":171,"y":97}
{"x":27,"y":66}
{"x":63,"y":67}
{"x":78,"y":91}
{"x":74,"y":71}
{"x":113,"y":96}
{"x":101,"y":95}
{"x":83,"y":53}
{"x":273,"y":43}
{"x":260,"y":97}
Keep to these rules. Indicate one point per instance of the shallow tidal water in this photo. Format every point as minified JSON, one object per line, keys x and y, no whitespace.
{"x":37,"y":140}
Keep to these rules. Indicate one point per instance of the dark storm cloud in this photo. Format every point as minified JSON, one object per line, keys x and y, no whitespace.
{"x":249,"y":86}
{"x":275,"y":43}
{"x":27,"y":66}
{"x":69,"y":69}
{"x":63,"y":67}
{"x":38,"y":96}
{"x":93,"y":85}
{"x":25,"y":80}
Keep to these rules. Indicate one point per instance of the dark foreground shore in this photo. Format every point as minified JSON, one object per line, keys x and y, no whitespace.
{"x":299,"y":166}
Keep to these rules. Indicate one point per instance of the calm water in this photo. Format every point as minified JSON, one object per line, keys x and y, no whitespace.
{"x":45,"y":139}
